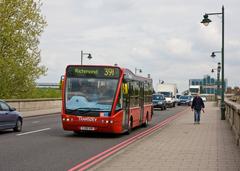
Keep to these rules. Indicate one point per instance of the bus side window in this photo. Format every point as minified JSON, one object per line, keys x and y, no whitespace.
{"x":134,"y":91}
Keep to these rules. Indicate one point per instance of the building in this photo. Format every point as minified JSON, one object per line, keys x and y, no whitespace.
{"x":207,"y":85}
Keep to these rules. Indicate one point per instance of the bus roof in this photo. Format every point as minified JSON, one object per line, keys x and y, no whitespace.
{"x":130,"y":75}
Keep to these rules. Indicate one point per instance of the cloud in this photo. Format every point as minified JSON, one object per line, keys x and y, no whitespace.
{"x":164,"y":38}
{"x":178,"y":46}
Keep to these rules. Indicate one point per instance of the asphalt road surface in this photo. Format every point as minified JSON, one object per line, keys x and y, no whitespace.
{"x":44,"y":145}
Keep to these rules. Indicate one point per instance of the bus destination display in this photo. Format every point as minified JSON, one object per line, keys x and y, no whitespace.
{"x":97,"y":72}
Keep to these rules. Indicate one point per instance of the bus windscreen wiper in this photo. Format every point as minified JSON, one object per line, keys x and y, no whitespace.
{"x":82,"y":110}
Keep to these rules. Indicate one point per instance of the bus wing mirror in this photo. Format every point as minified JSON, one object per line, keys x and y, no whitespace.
{"x":125,"y":88}
{"x":61,"y":82}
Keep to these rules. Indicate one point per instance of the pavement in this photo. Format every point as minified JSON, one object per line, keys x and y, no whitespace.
{"x":181,"y":145}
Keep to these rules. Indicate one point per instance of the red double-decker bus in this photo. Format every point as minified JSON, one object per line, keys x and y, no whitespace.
{"x":105,"y":99}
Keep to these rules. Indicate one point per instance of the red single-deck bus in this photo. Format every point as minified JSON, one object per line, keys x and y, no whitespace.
{"x":105,"y":99}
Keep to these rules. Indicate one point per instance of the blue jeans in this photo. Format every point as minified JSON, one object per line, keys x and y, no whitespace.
{"x":197,"y":115}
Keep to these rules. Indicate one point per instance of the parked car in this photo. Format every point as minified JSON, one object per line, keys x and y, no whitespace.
{"x":204,"y":98}
{"x":191,"y":97}
{"x":9,"y":117}
{"x":185,"y":100}
{"x":177,"y":98}
{"x":159,"y":101}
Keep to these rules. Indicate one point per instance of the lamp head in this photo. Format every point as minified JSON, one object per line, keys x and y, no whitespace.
{"x":206,"y":20}
{"x":89,"y":56}
{"x":213,"y":55}
{"x":212,"y":71}
{"x":219,"y":66}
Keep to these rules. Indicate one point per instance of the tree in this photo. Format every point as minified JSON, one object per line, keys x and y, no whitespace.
{"x":21,"y":25}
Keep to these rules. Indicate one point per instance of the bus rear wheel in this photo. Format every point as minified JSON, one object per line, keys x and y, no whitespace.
{"x":130,"y":124}
{"x":145,"y":124}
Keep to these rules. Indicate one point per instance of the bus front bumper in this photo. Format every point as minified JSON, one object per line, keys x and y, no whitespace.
{"x":92,"y":124}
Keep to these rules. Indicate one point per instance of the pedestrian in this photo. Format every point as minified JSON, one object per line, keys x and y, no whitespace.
{"x":197,"y":106}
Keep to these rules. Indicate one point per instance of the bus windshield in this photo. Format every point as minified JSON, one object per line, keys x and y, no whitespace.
{"x":89,"y":94}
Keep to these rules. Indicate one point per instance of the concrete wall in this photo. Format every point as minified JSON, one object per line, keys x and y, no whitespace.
{"x":23,"y":105}
{"x":36,"y":107}
{"x":233,"y":116}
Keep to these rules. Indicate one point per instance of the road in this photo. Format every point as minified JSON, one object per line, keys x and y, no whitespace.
{"x":44,"y":145}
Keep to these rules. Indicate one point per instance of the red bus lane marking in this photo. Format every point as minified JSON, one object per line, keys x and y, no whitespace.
{"x":112,"y":148}
{"x":115,"y":147}
{"x":99,"y":157}
{"x":121,"y":147}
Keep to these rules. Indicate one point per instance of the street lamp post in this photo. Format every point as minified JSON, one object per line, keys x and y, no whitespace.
{"x":82,"y":54}
{"x":137,"y":69}
{"x":206,"y":21}
{"x":218,"y":69}
{"x":218,"y":77}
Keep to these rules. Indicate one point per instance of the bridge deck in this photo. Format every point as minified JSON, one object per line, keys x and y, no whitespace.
{"x":182,"y":145}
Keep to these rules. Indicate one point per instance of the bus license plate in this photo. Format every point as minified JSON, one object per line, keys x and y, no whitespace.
{"x":86,"y":128}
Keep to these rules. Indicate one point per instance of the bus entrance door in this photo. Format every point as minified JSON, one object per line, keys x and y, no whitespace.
{"x":126,"y":106}
{"x":141,"y":101}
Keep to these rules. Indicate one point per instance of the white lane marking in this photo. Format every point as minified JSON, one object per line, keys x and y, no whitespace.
{"x":34,"y":122}
{"x":31,"y":132}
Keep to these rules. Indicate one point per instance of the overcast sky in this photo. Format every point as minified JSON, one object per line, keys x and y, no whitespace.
{"x":164,"y":38}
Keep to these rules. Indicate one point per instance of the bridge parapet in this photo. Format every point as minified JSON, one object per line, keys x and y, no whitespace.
{"x":233,"y":116}
{"x":24,"y":105}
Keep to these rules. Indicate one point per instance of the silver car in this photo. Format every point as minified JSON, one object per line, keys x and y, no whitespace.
{"x":9,"y":117}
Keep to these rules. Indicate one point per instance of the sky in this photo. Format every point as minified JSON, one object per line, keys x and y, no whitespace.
{"x":163,"y":38}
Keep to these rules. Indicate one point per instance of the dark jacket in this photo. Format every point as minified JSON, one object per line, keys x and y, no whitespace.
{"x":197,"y":103}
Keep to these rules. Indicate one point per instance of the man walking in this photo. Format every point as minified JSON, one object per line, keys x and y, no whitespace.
{"x":197,"y":106}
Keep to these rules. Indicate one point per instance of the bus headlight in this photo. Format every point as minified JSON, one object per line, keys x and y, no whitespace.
{"x":107,"y":121}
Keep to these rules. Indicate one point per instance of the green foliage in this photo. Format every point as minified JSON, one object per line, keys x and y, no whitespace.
{"x":45,"y":93}
{"x":21,"y":25}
